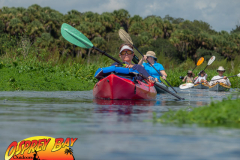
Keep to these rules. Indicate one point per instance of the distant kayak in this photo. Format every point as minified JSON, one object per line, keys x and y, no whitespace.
{"x":201,"y":86}
{"x":186,"y":86}
{"x":219,"y":87}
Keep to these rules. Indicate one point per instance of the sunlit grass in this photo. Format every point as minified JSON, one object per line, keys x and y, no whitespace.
{"x":225,"y":112}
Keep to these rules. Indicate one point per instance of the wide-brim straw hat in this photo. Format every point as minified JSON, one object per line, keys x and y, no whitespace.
{"x":189,"y":71}
{"x":151,"y":54}
{"x":221,"y":69}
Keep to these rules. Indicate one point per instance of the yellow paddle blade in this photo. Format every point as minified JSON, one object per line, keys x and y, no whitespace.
{"x":125,"y":36}
{"x":200,"y":61}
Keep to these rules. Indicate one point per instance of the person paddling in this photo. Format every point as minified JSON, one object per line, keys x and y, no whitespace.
{"x":126,"y":54}
{"x":151,"y":57}
{"x":224,"y":79}
{"x":201,"y":78}
{"x":189,"y":77}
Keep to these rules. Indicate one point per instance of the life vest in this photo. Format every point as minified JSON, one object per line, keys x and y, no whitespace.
{"x":128,"y":73}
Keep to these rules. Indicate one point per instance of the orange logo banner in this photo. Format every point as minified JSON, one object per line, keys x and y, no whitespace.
{"x":41,"y":148}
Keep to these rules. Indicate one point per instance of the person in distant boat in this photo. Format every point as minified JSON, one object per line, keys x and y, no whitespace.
{"x":224,"y":79}
{"x":151,"y":57}
{"x":189,"y":77}
{"x":201,"y":78}
{"x":126,"y":54}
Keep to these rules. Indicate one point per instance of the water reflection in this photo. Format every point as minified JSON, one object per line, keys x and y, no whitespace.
{"x":125,"y":107}
{"x":125,"y":102}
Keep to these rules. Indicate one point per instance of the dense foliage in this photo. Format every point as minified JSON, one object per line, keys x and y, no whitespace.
{"x":34,"y":55}
{"x":39,"y":28}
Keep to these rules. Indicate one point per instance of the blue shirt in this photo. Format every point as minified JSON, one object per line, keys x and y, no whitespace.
{"x":151,"y":71}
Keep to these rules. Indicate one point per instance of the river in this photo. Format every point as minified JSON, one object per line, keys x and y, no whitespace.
{"x":116,"y":129}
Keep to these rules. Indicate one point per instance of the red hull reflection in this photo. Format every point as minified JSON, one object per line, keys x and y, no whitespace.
{"x":125,"y":107}
{"x":125,"y":102}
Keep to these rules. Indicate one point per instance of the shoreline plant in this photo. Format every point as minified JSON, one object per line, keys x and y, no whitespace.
{"x":225,"y":112}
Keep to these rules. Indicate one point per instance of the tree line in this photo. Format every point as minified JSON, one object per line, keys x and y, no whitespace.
{"x":39,"y":27}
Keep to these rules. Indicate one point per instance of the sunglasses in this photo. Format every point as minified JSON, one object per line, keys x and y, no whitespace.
{"x":128,"y":52}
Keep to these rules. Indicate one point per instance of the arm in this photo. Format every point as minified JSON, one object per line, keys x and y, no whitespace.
{"x":212,"y":81}
{"x":184,"y":79}
{"x":195,"y":78}
{"x":141,"y":61}
{"x":164,"y":74}
{"x":141,"y":70}
{"x":196,"y":81}
{"x":228,"y":82}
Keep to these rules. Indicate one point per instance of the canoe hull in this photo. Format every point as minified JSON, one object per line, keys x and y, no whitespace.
{"x":219,"y":87}
{"x":115,"y":87}
{"x":201,"y":86}
{"x":186,"y":86}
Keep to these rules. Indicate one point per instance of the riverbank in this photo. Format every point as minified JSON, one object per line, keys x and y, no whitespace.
{"x":34,"y":75}
{"x":224,"y":113}
{"x":38,"y":76}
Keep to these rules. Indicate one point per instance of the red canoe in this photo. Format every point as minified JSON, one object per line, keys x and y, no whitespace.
{"x":115,"y":87}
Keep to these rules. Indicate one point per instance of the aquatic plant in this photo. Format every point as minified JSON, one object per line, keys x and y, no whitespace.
{"x":225,"y":112}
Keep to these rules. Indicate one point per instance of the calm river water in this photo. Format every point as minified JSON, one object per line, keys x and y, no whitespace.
{"x":116,"y":130}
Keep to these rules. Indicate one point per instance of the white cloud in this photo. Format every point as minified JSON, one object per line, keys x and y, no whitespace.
{"x":113,"y":5}
{"x":200,"y":5}
{"x":106,"y":6}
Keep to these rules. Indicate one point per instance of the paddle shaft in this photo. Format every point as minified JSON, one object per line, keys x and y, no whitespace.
{"x":194,"y":68}
{"x":223,"y":78}
{"x":116,"y":60}
{"x":198,"y":63}
{"x":155,"y":69}
{"x":205,"y":67}
{"x":211,"y":60}
{"x":166,"y":90}
{"x":135,"y":59}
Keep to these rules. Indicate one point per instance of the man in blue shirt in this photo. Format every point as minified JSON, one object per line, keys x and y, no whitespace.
{"x":151,"y":57}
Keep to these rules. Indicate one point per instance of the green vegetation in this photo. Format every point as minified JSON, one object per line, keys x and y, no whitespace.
{"x":34,"y":55}
{"x":175,"y":37}
{"x":44,"y":76}
{"x":223,"y":113}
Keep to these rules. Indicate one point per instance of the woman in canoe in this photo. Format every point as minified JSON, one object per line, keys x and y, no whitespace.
{"x":201,"y":78}
{"x":151,"y":57}
{"x":126,"y":54}
{"x":189,"y":77}
{"x":224,"y":79}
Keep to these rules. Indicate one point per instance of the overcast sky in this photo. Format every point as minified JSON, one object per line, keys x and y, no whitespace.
{"x":220,"y":14}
